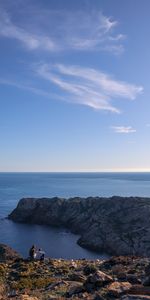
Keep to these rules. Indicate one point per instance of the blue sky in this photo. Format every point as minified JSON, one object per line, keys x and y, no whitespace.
{"x":74,"y":85}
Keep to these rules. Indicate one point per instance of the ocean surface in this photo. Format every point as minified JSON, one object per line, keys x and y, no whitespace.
{"x":59,"y":243}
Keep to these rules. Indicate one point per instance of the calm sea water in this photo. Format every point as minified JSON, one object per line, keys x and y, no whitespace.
{"x":58,"y":242}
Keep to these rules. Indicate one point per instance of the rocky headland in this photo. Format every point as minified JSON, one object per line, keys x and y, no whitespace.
{"x":116,"y":225}
{"x":118,"y":278}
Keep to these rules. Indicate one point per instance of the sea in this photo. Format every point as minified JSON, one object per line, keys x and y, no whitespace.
{"x":59,"y":243}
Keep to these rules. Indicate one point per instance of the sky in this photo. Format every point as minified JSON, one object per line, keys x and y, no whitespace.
{"x":74,"y":85}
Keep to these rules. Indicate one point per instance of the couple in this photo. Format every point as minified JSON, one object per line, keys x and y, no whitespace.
{"x":36,"y":254}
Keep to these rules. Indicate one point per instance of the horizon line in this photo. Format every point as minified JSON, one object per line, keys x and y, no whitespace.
{"x":102,"y":171}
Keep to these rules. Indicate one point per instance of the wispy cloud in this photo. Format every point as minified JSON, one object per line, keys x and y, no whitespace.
{"x":88,"y":86}
{"x":123,"y":129}
{"x":63,"y":30}
{"x":60,"y":30}
{"x":30,"y":40}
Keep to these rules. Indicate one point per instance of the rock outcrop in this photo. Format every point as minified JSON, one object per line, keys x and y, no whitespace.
{"x":7,"y":253}
{"x":116,"y":225}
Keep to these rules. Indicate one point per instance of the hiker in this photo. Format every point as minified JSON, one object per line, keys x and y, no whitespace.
{"x":32,"y":252}
{"x":41,"y":254}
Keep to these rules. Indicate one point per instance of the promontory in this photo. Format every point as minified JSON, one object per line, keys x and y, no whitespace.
{"x":116,"y":225}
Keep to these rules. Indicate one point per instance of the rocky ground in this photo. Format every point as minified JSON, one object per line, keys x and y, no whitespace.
{"x":123,"y":277}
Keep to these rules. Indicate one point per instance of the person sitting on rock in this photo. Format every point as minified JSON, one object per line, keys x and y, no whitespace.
{"x":41,"y":254}
{"x":32,"y":252}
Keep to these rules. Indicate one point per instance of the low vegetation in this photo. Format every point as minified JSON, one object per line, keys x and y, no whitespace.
{"x":116,"y":278}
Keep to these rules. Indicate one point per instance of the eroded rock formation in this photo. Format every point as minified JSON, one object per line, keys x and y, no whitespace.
{"x":116,"y":225}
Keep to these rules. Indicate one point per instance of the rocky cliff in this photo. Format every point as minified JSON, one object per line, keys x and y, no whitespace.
{"x":116,"y":225}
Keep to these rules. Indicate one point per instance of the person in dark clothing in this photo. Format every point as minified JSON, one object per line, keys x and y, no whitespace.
{"x":32,"y":252}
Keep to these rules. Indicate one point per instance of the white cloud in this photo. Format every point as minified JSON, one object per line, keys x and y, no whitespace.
{"x":53,"y":30}
{"x":123,"y":129}
{"x":30,"y":40}
{"x":83,"y":86}
{"x":88,"y":86}
{"x":109,"y":85}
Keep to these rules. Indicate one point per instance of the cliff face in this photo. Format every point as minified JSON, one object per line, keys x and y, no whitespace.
{"x":116,"y":225}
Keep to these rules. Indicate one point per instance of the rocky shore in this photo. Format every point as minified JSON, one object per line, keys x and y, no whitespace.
{"x":116,"y":225}
{"x":120,"y":278}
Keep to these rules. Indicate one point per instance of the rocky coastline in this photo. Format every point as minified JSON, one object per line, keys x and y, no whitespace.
{"x":116,"y":225}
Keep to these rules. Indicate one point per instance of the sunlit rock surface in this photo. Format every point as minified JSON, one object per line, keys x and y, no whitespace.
{"x":23,"y":279}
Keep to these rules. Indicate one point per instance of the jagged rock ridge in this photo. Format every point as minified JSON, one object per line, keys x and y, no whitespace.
{"x":116,"y":225}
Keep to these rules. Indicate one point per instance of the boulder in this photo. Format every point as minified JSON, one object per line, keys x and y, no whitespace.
{"x":115,"y":289}
{"x":75,"y":289}
{"x":96,"y":280}
{"x":77,"y":277}
{"x":139,"y":289}
{"x":133,"y":279}
{"x":89,"y":269}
